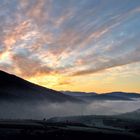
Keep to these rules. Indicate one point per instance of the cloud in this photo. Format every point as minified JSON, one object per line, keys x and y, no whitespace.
{"x":100,"y":65}
{"x":28,"y":67}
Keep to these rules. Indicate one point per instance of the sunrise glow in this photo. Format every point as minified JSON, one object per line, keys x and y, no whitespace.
{"x":86,"y":45}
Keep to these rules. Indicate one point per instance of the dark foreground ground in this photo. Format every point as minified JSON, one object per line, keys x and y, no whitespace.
{"x":42,"y":130}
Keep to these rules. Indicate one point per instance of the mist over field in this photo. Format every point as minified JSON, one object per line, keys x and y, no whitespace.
{"x":18,"y":110}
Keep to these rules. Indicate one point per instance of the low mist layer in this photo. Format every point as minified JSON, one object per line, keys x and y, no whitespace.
{"x":34,"y":110}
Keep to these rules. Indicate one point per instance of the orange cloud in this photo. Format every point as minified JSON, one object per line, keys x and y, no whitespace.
{"x":28,"y":67}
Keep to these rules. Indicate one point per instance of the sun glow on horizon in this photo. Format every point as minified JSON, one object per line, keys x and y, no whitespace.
{"x":85,"y":45}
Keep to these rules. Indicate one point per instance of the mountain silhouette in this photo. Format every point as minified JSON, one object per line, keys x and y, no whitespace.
{"x":16,"y":88}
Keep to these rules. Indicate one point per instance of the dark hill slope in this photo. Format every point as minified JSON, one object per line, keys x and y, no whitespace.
{"x":13,"y":87}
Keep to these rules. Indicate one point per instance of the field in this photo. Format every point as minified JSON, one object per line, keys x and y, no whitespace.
{"x":36,"y":129}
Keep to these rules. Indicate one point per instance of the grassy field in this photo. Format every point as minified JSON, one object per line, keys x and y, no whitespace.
{"x":34,"y":129}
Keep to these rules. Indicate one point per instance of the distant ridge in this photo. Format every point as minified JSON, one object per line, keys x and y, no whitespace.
{"x":92,"y":96}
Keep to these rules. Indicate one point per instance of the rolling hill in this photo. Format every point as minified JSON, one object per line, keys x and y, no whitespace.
{"x":92,"y":96}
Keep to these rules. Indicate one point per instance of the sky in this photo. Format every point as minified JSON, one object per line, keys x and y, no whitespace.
{"x":77,"y":45}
